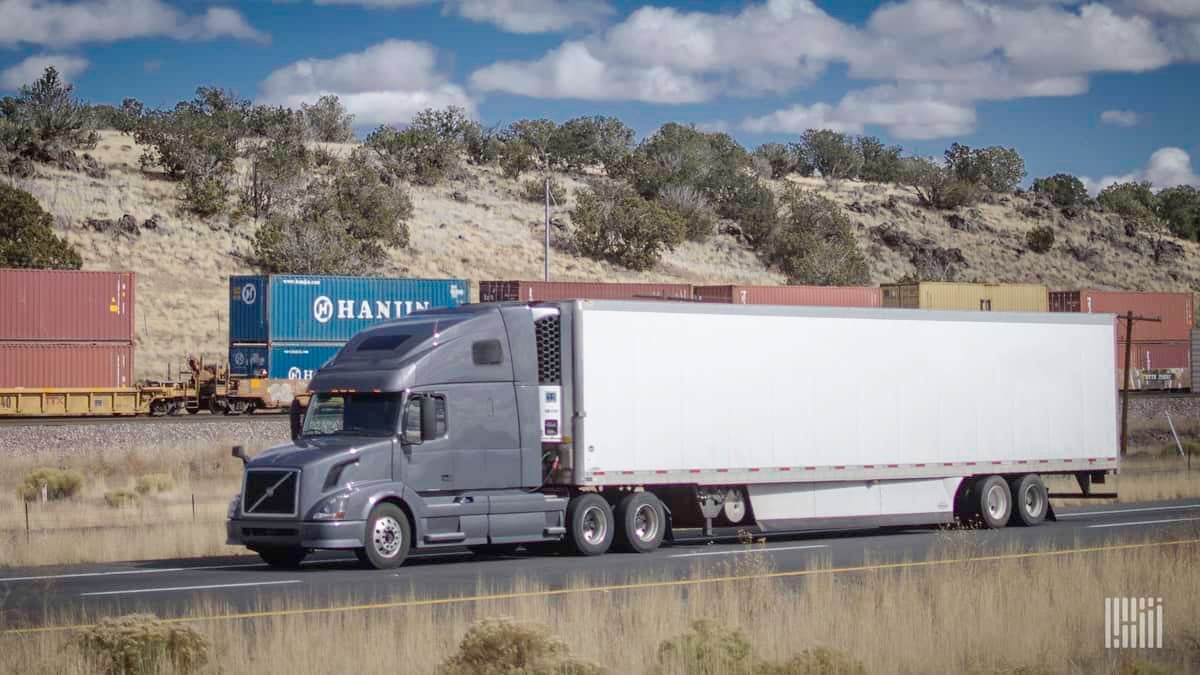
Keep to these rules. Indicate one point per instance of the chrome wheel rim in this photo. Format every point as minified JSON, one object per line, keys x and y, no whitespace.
{"x":387,"y":537}
{"x":645,"y":522}
{"x":1034,"y":502}
{"x":595,"y":525}
{"x":997,"y":502}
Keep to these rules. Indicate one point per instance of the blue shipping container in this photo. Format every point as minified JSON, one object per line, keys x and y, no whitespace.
{"x":304,"y":309}
{"x":280,"y":361}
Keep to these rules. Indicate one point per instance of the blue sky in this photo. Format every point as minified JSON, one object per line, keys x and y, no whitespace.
{"x":1106,"y":90}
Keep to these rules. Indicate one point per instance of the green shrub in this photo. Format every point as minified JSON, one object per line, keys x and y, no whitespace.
{"x":449,"y":124}
{"x":483,"y":146}
{"x":1179,"y":208}
{"x":49,"y":108}
{"x":59,"y":484}
{"x":995,"y":169}
{"x":815,"y":243}
{"x":504,"y":647}
{"x":751,"y":204}
{"x":590,"y":141}
{"x":154,"y":482}
{"x":142,"y":643}
{"x":1040,"y":239}
{"x":327,"y":120}
{"x":690,"y":206}
{"x":1134,"y":201}
{"x":27,"y":236}
{"x":937,"y":187}
{"x":682,"y":155}
{"x":778,"y":157}
{"x":880,"y":163}
{"x":708,"y":649}
{"x":418,"y":155}
{"x":534,"y":190}
{"x":120,"y":498}
{"x":516,"y":158}
{"x":818,"y":661}
{"x":1064,"y":190}
{"x":278,"y":166}
{"x":536,"y":138}
{"x":832,"y":153}
{"x":613,"y":223}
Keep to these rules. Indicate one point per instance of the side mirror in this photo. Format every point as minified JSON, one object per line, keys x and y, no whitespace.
{"x":296,"y":418}
{"x":428,"y":418}
{"x":240,"y":453}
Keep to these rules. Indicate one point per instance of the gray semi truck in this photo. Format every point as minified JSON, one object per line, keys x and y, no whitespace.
{"x":584,"y":425}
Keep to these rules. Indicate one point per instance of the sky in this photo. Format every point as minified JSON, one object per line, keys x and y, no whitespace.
{"x":1107,"y":90}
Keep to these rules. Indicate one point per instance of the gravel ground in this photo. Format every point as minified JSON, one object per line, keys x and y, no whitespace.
{"x":1155,"y":408}
{"x":68,"y":439}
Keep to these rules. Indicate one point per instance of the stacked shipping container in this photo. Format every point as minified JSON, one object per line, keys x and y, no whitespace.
{"x":533,"y":291}
{"x":966,"y":297}
{"x":285,"y":327}
{"x":825,"y":296}
{"x":1161,"y":352}
{"x":66,"y":329}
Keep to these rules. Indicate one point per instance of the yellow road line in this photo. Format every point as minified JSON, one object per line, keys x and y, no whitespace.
{"x":624,"y":587}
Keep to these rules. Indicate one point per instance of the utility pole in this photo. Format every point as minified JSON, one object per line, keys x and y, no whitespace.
{"x":546,"y":250}
{"x":1129,"y":319}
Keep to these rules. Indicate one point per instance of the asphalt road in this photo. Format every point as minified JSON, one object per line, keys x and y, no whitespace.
{"x":42,"y":596}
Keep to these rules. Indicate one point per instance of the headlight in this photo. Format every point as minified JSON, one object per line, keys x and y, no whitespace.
{"x":332,"y":508}
{"x":233,"y":507}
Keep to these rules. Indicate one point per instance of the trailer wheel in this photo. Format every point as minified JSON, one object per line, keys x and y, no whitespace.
{"x":387,"y":538}
{"x":995,"y":501}
{"x":287,"y":558}
{"x":641,"y":522}
{"x":590,"y":524}
{"x":1030,"y":500}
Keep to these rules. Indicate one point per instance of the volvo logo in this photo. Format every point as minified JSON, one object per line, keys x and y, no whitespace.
{"x":249,"y":294}
{"x":323,"y":309}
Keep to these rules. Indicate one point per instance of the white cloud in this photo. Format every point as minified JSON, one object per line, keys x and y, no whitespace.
{"x":514,"y":16}
{"x":386,"y":83}
{"x":59,"y":24}
{"x":1168,"y":167}
{"x":1120,"y":118}
{"x":25,"y":72}
{"x":907,"y":118}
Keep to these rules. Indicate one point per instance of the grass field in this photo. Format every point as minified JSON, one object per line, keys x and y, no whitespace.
{"x":1027,"y":614}
{"x":170,"y":525}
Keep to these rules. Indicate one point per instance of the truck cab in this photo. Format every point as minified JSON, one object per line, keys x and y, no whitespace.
{"x":420,"y":433}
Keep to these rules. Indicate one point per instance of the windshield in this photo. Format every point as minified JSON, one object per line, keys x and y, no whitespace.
{"x":352,"y":415}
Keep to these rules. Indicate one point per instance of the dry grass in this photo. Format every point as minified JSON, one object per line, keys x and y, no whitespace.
{"x":1030,"y":615}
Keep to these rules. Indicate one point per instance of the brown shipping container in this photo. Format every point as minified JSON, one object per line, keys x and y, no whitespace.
{"x":530,"y":291}
{"x":46,"y":365}
{"x":1156,"y":365}
{"x":1175,"y":310}
{"x":66,"y":306}
{"x":825,"y":296}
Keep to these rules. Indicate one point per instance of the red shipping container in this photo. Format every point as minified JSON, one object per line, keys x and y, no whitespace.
{"x":824,"y":296}
{"x":66,"y":306}
{"x":48,"y":365}
{"x":530,"y":291}
{"x":1156,"y":365}
{"x":1175,"y":310}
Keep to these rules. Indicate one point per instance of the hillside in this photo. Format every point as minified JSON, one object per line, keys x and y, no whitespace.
{"x":480,"y":228}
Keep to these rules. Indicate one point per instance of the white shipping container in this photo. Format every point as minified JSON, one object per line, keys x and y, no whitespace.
{"x":762,"y":394}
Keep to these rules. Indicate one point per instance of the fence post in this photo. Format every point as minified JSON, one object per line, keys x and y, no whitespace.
{"x":193,"y":507}
{"x":26,"y":501}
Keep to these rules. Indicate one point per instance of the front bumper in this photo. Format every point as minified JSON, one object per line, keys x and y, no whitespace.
{"x":294,"y":534}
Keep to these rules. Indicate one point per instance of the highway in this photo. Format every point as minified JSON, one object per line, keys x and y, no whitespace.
{"x":38,"y":597}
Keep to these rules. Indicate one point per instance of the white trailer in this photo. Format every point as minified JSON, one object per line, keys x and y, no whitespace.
{"x":826,"y":417}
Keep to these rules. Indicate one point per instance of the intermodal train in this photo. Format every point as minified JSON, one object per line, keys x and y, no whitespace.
{"x":66,"y":338}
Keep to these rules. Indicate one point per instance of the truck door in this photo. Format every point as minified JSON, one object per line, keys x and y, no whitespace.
{"x":425,"y":466}
{"x":483,"y":428}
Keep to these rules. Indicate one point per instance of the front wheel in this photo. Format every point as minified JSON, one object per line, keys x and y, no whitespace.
{"x":388,"y":538}
{"x":286,"y":558}
{"x":590,"y":524}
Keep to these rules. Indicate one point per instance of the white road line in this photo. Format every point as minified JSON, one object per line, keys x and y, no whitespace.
{"x":1144,"y":522}
{"x":771,"y":549}
{"x":112,"y":573}
{"x":188,"y":588}
{"x":1082,"y":514}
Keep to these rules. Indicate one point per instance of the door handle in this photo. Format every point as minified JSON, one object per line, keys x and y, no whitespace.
{"x":464,"y":500}
{"x":446,"y":477}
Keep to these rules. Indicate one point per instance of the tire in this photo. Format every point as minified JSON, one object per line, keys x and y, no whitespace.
{"x":994,"y":499}
{"x":494,"y":549}
{"x":285,"y":558}
{"x":388,"y":537}
{"x":1031,"y":502}
{"x":641,"y":522}
{"x":589,"y":524}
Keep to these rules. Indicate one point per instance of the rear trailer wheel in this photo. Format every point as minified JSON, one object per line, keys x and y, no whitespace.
{"x":995,"y":502}
{"x":641,"y":522}
{"x":1030,"y":500}
{"x":289,"y":558}
{"x":388,"y":537}
{"x":590,"y":524}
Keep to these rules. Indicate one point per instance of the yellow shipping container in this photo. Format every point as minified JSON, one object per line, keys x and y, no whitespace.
{"x":967,"y":297}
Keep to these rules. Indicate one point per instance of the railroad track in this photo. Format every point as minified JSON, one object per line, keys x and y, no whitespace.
{"x":198,"y":418}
